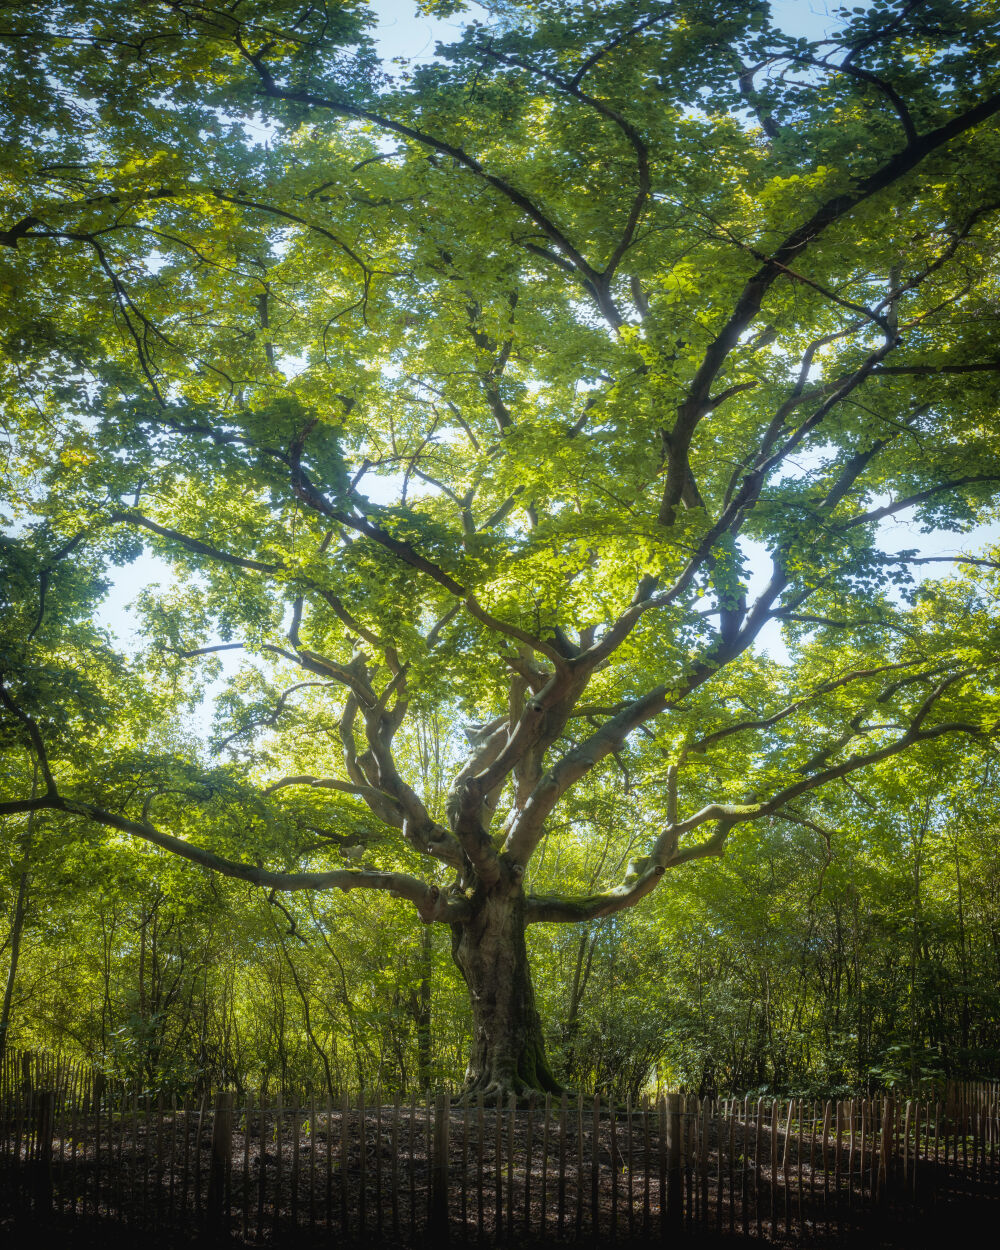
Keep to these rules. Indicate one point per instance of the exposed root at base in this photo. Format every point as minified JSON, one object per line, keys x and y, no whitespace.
{"x":498,"y":1092}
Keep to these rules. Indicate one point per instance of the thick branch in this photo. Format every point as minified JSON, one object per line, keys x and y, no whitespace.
{"x":749,"y":302}
{"x":427,"y":899}
{"x":641,"y":880}
{"x":645,"y":875}
{"x":37,"y":745}
{"x":590,"y":276}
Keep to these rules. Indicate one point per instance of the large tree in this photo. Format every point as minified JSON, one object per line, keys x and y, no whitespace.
{"x":472,"y":397}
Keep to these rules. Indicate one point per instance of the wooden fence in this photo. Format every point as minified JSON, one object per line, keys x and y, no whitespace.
{"x":569,"y":1169}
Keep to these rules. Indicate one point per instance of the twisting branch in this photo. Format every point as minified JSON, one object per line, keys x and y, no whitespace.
{"x":430,"y":903}
{"x":645,"y":874}
{"x":745,"y":77}
{"x":589,"y":276}
{"x":866,"y":76}
{"x":528,"y":827}
{"x":43,"y":577}
{"x":134,"y":517}
{"x":640,"y":151}
{"x":768,"y":722}
{"x":390,"y":797}
{"x":748,"y":304}
{"x":37,"y":745}
{"x":642,"y":878}
{"x":912,"y":501}
{"x":616,"y":42}
{"x":274,"y":715}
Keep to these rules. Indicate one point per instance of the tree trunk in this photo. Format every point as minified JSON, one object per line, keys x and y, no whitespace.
{"x":422,"y":1011}
{"x":508,"y":1047}
{"x":17,"y":924}
{"x":16,"y":930}
{"x":581,"y":976}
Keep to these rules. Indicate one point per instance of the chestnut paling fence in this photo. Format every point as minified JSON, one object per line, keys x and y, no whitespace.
{"x":73,"y":1146}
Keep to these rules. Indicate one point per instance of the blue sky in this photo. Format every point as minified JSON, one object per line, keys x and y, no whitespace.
{"x":403,"y":33}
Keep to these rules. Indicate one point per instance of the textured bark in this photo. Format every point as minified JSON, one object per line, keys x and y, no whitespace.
{"x":508,"y":1048}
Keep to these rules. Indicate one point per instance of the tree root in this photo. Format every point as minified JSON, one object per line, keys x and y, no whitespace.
{"x":498,"y":1090}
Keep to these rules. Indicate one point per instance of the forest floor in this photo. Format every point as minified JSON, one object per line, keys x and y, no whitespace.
{"x":964,"y":1223}
{"x":319,"y":1179}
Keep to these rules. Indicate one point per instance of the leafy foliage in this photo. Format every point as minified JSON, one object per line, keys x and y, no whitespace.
{"x":469,"y":404}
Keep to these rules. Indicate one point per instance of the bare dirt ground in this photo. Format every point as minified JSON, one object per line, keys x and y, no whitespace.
{"x":315,"y":1178}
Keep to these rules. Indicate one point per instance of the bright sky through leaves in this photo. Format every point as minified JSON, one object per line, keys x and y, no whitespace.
{"x":404,"y":33}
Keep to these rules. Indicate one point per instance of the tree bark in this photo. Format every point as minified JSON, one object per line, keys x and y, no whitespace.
{"x":508,"y":1047}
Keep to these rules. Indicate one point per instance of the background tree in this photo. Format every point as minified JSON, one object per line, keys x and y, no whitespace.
{"x":467,"y":399}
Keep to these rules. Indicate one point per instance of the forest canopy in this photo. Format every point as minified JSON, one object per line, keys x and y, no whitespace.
{"x":528,"y":421}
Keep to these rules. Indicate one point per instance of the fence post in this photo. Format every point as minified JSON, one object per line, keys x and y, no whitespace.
{"x":886,"y":1147}
{"x":906,"y":1143}
{"x":44,"y":1110}
{"x":439,"y":1169}
{"x":218,"y":1173}
{"x":675,"y":1179}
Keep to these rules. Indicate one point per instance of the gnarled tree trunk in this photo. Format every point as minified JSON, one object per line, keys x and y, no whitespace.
{"x":508,"y":1047}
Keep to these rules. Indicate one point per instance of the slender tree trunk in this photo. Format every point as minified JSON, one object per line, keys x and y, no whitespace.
{"x":580,"y":978}
{"x":915,"y":1004}
{"x":303,"y":994}
{"x":962,"y":962}
{"x":422,"y":1010}
{"x":508,"y":1047}
{"x":16,"y":930}
{"x":17,"y":923}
